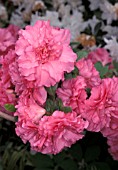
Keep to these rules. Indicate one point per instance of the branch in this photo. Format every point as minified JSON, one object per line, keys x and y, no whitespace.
{"x":6,"y":116}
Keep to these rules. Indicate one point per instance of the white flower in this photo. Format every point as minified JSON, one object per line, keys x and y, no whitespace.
{"x":109,"y":11}
{"x":75,"y":4}
{"x":17,"y":19}
{"x":111,"y":31}
{"x":53,"y":16}
{"x":74,"y":23}
{"x":94,"y":4}
{"x":22,"y":13}
{"x":112,"y":46}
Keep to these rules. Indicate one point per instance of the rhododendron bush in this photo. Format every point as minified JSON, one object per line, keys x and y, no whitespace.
{"x":55,"y":92}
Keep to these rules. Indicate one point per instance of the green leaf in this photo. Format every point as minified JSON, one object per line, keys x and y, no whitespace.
{"x":5,"y":157}
{"x":10,"y":107}
{"x":69,"y":164}
{"x":74,"y":73}
{"x":81,"y":54}
{"x":61,"y":107}
{"x":51,"y":90}
{"x":102,"y":69}
{"x":92,"y":153}
{"x":66,"y":109}
{"x":59,"y":103}
{"x":97,"y":28}
{"x":68,"y":76}
{"x":74,"y":43}
{"x":50,"y":106}
{"x":41,"y":161}
{"x":16,"y":155}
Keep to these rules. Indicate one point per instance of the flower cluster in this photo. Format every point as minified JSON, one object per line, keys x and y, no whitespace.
{"x":56,"y":93}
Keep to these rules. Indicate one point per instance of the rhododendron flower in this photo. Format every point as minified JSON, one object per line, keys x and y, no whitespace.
{"x":7,"y":96}
{"x":102,"y":106}
{"x":17,"y":80}
{"x":30,"y":102}
{"x":89,"y":72}
{"x":6,"y":61}
{"x":8,"y":37}
{"x":7,"y":93}
{"x":73,"y":93}
{"x":100,"y":54}
{"x":53,"y":133}
{"x":44,"y":54}
{"x":111,"y":131}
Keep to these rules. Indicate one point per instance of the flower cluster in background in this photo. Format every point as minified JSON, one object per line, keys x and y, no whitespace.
{"x":59,"y":72}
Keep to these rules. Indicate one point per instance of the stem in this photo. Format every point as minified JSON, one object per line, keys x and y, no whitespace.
{"x":6,"y":116}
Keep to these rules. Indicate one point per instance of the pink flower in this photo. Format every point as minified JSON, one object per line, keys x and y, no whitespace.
{"x":8,"y":37}
{"x":73,"y":93}
{"x":30,"y":104}
{"x":13,"y":29}
{"x":7,"y":93}
{"x":53,"y":133}
{"x":7,"y":96}
{"x":100,"y":54}
{"x":17,"y":80}
{"x":44,"y":54}
{"x":89,"y":72}
{"x":111,"y":131}
{"x":102,"y":106}
{"x":6,"y":61}
{"x":26,"y":129}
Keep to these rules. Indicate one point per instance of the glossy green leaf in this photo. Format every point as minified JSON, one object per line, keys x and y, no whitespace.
{"x":81,"y":54}
{"x":101,"y":69}
{"x":10,"y":107}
